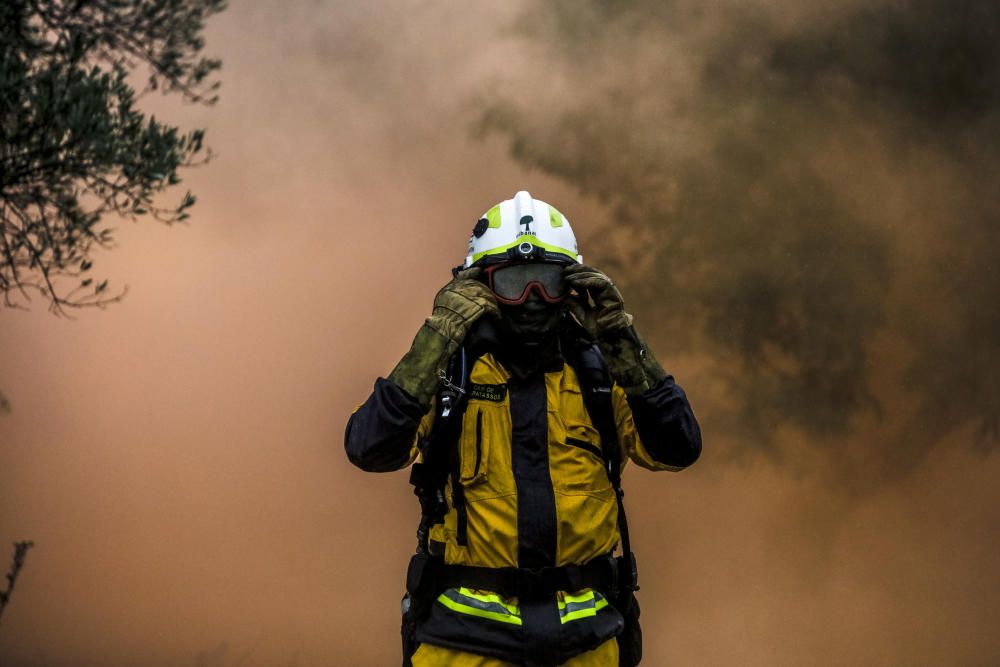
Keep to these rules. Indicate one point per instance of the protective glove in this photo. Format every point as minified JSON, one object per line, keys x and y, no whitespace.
{"x":600,"y":305}
{"x":457,"y":306}
{"x":601,"y":310}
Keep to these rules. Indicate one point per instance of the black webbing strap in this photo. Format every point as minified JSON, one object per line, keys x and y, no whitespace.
{"x":597,"y":397}
{"x":439,"y":452}
{"x":596,"y":383}
{"x":458,"y":497}
{"x":601,"y":574}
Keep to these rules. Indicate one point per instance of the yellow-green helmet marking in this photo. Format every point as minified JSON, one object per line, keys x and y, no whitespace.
{"x":522,"y":228}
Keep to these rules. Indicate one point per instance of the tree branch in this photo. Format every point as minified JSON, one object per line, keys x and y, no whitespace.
{"x":20,"y":552}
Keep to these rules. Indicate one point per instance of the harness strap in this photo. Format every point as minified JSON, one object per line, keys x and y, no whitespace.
{"x":440,"y":455}
{"x":458,"y":502}
{"x":597,"y":392}
{"x":600,"y":574}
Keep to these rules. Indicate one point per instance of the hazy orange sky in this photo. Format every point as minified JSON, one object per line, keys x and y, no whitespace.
{"x":178,"y":458}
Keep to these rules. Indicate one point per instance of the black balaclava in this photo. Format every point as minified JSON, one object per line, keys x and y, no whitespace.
{"x":528,"y":335}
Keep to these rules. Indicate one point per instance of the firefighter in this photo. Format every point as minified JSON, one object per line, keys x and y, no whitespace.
{"x":521,"y":399}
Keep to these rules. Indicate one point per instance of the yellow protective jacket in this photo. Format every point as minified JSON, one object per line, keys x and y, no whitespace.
{"x":536,"y":495}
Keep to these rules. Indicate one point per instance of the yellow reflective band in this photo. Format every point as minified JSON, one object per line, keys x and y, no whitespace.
{"x":555,"y":217}
{"x":526,"y":238}
{"x":493,"y":215}
{"x":585,"y":612}
{"x":456,"y":605}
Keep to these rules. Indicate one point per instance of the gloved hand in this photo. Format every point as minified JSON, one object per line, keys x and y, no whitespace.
{"x":607,"y":313}
{"x":456,"y":307}
{"x":460,"y":303}
{"x":601,"y":310}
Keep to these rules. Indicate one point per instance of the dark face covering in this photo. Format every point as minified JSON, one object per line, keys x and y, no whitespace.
{"x":528,"y":334}
{"x":531,"y":323}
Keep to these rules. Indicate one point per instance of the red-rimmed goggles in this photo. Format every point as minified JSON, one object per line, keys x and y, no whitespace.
{"x":513,"y":283}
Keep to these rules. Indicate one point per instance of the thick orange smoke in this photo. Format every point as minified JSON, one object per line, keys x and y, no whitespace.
{"x":178,"y":458}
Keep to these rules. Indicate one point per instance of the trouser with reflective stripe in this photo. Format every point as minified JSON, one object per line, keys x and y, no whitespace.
{"x":605,"y":655}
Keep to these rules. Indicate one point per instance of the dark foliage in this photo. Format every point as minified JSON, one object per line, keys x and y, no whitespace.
{"x":73,"y":144}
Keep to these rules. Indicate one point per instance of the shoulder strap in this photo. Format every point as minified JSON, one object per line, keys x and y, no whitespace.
{"x":439,"y":450}
{"x":596,"y":385}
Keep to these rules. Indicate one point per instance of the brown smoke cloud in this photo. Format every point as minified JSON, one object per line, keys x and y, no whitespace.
{"x":805,"y":235}
{"x":804,"y":194}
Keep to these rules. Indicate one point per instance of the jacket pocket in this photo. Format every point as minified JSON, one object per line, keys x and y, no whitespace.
{"x":576,"y":461}
{"x":586,"y":446}
{"x":475,"y":448}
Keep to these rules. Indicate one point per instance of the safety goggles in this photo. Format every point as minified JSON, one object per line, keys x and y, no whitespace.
{"x":512,"y":284}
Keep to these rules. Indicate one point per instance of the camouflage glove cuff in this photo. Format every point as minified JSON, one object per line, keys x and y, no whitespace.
{"x":417,"y":373}
{"x":631,"y":364}
{"x":456,"y":307}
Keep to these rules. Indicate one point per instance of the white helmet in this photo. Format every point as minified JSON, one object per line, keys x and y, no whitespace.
{"x":522,"y":228}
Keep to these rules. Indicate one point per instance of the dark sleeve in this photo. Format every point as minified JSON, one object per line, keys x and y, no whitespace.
{"x":381,"y":432}
{"x":666,"y":424}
